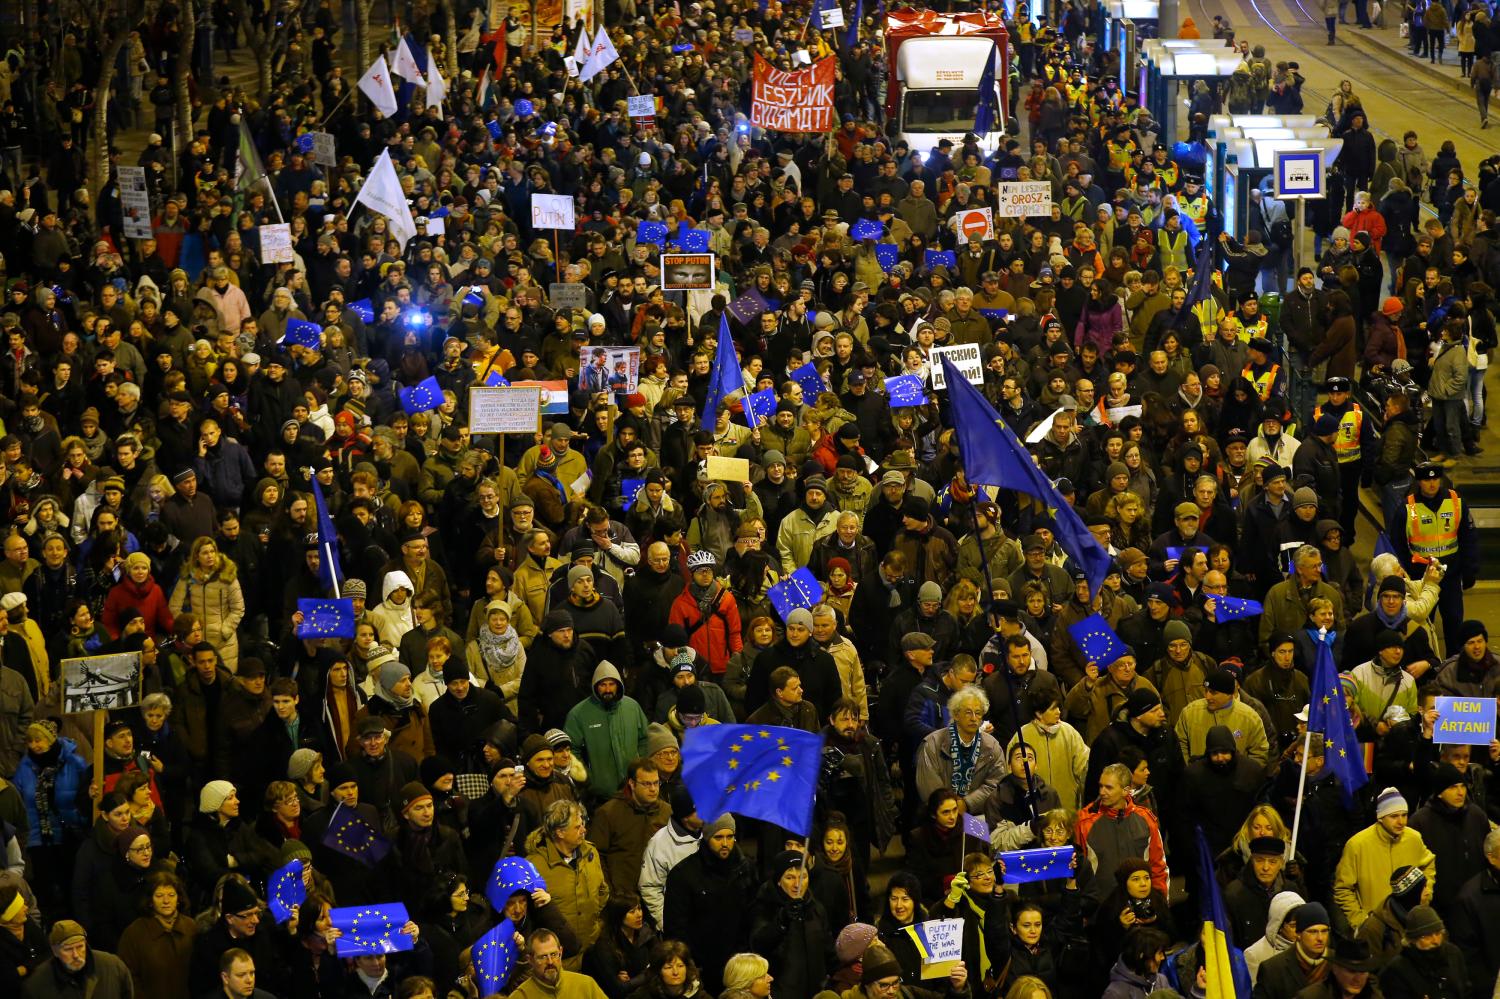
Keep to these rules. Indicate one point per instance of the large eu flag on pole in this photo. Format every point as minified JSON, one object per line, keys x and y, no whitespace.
{"x":766,"y":772}
{"x":725,"y":377}
{"x":1327,"y":713}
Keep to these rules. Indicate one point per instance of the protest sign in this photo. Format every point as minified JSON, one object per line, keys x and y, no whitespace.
{"x":322,"y":149}
{"x":1023,"y":199}
{"x":135,"y":199}
{"x":722,"y":469}
{"x":566,"y":295}
{"x":941,"y":944}
{"x":609,"y":369}
{"x":1465,"y":721}
{"x":687,"y":271}
{"x":552,"y":211}
{"x":641,"y":105}
{"x":101,"y":683}
{"x":965,"y":357}
{"x":505,"y":410}
{"x":276,"y":243}
{"x":974,"y":225}
{"x":797,"y":101}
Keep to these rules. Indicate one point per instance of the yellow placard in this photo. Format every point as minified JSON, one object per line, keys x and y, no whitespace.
{"x":724,"y":469}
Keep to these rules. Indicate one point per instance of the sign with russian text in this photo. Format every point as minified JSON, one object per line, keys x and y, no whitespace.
{"x":793,"y":101}
{"x":1464,"y":721}
{"x":1023,"y":199}
{"x":965,"y":357}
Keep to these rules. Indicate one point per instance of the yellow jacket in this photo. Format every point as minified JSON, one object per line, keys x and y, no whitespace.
{"x":1363,"y":878}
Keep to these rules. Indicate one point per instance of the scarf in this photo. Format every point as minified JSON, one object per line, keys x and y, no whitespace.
{"x":707,"y":597}
{"x":964,"y":759}
{"x":46,"y":765}
{"x":549,"y":477}
{"x":1396,"y":622}
{"x":499,"y":650}
{"x":980,"y":913}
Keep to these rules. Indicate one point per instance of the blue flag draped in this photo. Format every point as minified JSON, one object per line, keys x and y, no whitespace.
{"x":330,"y":571}
{"x":1235,"y":608}
{"x":725,"y":377}
{"x":371,"y":929}
{"x":800,"y":589}
{"x":1228,"y":975}
{"x":993,"y":456}
{"x":852,"y":35}
{"x":1098,"y":640}
{"x":494,"y":957}
{"x":303,"y":334}
{"x":1327,"y":713}
{"x":984,"y":112}
{"x":764,"y":772}
{"x":510,"y":875}
{"x":363,"y":309}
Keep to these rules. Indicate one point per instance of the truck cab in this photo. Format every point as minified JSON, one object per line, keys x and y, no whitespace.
{"x":949,"y":75}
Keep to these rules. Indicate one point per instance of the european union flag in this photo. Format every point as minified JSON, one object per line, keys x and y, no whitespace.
{"x":508,"y":876}
{"x":1023,"y":866}
{"x":725,"y":378}
{"x":1098,"y":640}
{"x":768,"y":773}
{"x":651,"y":232}
{"x":994,"y":457}
{"x":1235,"y":608}
{"x":305,"y":142}
{"x":811,"y":381}
{"x":866,"y":229}
{"x":887,"y":255}
{"x":684,"y":47}
{"x":494,"y":957}
{"x":974,"y":825}
{"x":524,"y":108}
{"x":303,"y":334}
{"x":1327,"y":713}
{"x":330,"y":571}
{"x":932,"y":258}
{"x":495,"y":129}
{"x":692,"y":240}
{"x":748,"y":307}
{"x":760,"y":407}
{"x":363,"y":309}
{"x":800,"y":589}
{"x":371,"y":929}
{"x":1224,"y":963}
{"x":905,"y":390}
{"x":496,"y":380}
{"x":285,"y":889}
{"x":998,"y":315}
{"x":352,"y":836}
{"x":629,"y":489}
{"x":425,"y":395}
{"x":326,"y":618}
{"x":474,"y":298}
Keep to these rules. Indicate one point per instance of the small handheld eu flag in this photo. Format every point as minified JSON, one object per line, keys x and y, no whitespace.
{"x":765,"y":772}
{"x":326,"y":618}
{"x":1097,"y":640}
{"x":426,"y":395}
{"x":371,"y":929}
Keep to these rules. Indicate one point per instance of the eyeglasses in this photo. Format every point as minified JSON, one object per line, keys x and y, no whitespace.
{"x":888,"y":985}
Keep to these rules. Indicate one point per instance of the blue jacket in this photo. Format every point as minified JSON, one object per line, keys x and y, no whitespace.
{"x":72,"y":775}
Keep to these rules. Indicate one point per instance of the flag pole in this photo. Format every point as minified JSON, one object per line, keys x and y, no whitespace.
{"x":1291,"y":848}
{"x":338,"y":105}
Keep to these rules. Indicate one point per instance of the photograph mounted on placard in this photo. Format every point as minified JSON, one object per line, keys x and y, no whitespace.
{"x":101,"y":683}
{"x":687,"y":272}
{"x":609,"y":369}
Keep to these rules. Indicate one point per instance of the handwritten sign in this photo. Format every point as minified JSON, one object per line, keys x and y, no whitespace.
{"x":566,"y":295}
{"x":965,"y":357}
{"x":641,"y":105}
{"x":941,"y":944}
{"x":276,"y":243}
{"x":322,"y":149}
{"x":505,"y":410}
{"x":722,"y":469}
{"x":1465,"y":721}
{"x":1023,"y":199}
{"x":552,"y":211}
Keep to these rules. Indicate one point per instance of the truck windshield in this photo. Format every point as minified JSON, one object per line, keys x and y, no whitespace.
{"x":939,"y":110}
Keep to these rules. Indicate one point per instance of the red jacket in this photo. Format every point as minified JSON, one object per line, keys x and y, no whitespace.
{"x":1106,"y":836}
{"x":716,"y":639}
{"x":146,"y":598}
{"x":1369,"y":221}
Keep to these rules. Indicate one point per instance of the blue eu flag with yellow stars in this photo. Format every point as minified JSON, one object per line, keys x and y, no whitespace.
{"x":654,"y":233}
{"x":866,"y":229}
{"x":1235,"y":608}
{"x":352,"y":836}
{"x":494,"y":956}
{"x":326,"y":618}
{"x":944,"y":258}
{"x":303,"y":334}
{"x":285,"y":889}
{"x":1327,"y":713}
{"x":363,"y":309}
{"x":510,"y":875}
{"x":692,"y":240}
{"x":764,"y":772}
{"x":800,"y":589}
{"x":1023,"y":866}
{"x":725,"y":377}
{"x":905,"y":390}
{"x":760,"y":406}
{"x":371,"y":929}
{"x":1098,"y":640}
{"x":423,"y":396}
{"x":748,"y":306}
{"x":993,"y":456}
{"x":811,"y":381}
{"x":330,"y":571}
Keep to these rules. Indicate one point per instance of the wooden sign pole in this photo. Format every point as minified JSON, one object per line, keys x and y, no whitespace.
{"x":99,"y":717}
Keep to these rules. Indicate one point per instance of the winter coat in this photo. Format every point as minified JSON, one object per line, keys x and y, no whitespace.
{"x":67,"y":782}
{"x":621,"y":829}
{"x":935,"y":768}
{"x":105,"y":977}
{"x":668,"y":847}
{"x":145,"y":597}
{"x":1106,"y":836}
{"x":411,"y":732}
{"x":1475,"y":926}
{"x":1449,"y":379}
{"x":1271,"y":942}
{"x":1363,"y":878}
{"x":578,"y":887}
{"x":218,"y":602}
{"x":1062,"y":760}
{"x":1427,"y":974}
{"x":794,"y":935}
{"x":716,"y":637}
{"x":1126,"y":984}
{"x":1456,"y":839}
{"x":799,"y":531}
{"x":705,"y":905}
{"x":607,"y":736}
{"x":555,"y":679}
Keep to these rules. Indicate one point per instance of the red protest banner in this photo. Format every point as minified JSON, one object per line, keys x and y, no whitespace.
{"x":796,"y":101}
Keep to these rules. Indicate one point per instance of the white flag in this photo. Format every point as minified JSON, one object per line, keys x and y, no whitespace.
{"x":601,"y":55}
{"x":584,"y":46}
{"x":376,"y":85}
{"x":382,"y":193}
{"x":437,"y":90}
{"x":406,"y":66}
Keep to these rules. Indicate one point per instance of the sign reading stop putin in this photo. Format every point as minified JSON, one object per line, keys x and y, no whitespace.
{"x":975,"y":225}
{"x":1023,"y":199}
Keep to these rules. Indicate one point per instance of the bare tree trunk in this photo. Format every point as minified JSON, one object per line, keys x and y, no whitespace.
{"x":186,"y":29}
{"x":534,"y":36}
{"x":362,"y":34}
{"x":450,"y":27}
{"x":100,"y":151}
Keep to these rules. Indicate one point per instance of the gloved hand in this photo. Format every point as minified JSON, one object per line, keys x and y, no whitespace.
{"x":956,"y":888}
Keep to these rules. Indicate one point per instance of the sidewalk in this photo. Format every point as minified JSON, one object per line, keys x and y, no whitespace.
{"x":1387,"y":44}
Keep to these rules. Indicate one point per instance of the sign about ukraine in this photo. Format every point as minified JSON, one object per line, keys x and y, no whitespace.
{"x":1466,"y":721}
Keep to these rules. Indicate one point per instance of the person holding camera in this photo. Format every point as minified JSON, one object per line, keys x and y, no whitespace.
{"x":1134,"y":902}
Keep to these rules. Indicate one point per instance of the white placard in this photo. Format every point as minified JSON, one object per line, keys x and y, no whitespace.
{"x":552,"y":211}
{"x":641,"y":106}
{"x":974,"y":225}
{"x":276,"y":243}
{"x":965,"y":357}
{"x":135,"y":199}
{"x":833,"y":17}
{"x":501,"y":410}
{"x":1023,"y":199}
{"x":322,"y":150}
{"x":437,"y":227}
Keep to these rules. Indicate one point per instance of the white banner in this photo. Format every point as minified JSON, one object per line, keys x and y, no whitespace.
{"x":1023,"y":199}
{"x":376,"y":85}
{"x":552,"y":211}
{"x":276,"y":243}
{"x":382,"y":193}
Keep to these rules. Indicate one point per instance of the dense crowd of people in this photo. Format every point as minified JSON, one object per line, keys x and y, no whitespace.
{"x":540,"y":621}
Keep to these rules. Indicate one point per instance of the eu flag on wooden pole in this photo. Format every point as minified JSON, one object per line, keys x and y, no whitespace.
{"x":725,"y":378}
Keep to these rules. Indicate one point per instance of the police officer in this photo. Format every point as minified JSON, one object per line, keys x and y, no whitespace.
{"x":1263,"y":373}
{"x":1354,"y":446}
{"x":1195,"y":203}
{"x":1438,"y":527}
